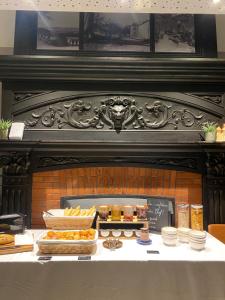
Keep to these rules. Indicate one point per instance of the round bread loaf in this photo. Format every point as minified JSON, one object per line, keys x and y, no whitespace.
{"x":6,"y":239}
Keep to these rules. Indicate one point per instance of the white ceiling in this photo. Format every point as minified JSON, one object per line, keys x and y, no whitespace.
{"x":142,"y":6}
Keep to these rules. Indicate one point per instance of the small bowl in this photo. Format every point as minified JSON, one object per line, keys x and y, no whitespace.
{"x":170,"y":242}
{"x":138,"y":233}
{"x":104,"y":232}
{"x":116,"y":233}
{"x":128,"y":233}
{"x":197,"y":246}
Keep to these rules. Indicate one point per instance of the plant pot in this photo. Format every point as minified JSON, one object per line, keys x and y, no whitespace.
{"x":210,"y":137}
{"x":4,"y":134}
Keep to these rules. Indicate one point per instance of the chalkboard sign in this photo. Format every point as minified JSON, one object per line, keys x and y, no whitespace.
{"x":159,"y":213}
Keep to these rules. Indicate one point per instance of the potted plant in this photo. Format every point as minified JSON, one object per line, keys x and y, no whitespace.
{"x":209,"y":129}
{"x":4,"y":128}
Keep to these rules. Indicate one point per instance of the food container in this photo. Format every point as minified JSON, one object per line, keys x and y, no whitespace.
{"x":141,"y":212}
{"x":67,"y":246}
{"x":128,"y":233}
{"x":128,"y":213}
{"x":55,"y":219}
{"x":183,"y":234}
{"x":104,"y":233}
{"x":103,"y":211}
{"x":197,"y":217}
{"x":144,"y":234}
{"x":116,"y":232}
{"x":169,"y":236}
{"x":116,"y":213}
{"x":197,"y":239}
{"x":137,"y":233}
{"x":183,"y":215}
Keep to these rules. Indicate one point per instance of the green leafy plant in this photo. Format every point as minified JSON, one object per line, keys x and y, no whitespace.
{"x":5,"y":124}
{"x":209,"y":127}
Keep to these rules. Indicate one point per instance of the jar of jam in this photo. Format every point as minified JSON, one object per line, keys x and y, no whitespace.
{"x":128,"y":213}
{"x":116,"y":213}
{"x":103,"y":211}
{"x":141,"y":212}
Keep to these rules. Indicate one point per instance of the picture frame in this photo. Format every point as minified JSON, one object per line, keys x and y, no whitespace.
{"x":201,"y":44}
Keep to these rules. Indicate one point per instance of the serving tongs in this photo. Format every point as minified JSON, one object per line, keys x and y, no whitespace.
{"x":47,"y":213}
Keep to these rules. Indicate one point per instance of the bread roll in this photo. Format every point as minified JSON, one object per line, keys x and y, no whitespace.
{"x":6,"y":239}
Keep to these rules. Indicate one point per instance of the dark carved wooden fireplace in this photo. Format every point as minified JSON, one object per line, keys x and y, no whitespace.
{"x":112,"y":112}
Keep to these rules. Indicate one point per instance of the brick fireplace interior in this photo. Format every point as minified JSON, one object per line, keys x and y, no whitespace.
{"x":49,"y":186}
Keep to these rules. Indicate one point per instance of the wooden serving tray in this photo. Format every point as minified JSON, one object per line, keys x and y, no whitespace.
{"x":12,"y":248}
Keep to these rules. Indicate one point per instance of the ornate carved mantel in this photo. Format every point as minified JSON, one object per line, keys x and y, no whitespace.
{"x":110,"y":111}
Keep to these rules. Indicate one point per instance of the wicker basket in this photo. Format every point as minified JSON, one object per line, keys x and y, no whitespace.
{"x":64,"y":222}
{"x":67,"y":248}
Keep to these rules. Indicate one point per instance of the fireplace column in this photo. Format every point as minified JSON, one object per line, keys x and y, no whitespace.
{"x":16,"y":184}
{"x":214,"y":187}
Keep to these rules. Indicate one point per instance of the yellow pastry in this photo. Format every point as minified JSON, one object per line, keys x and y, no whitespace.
{"x":6,"y":239}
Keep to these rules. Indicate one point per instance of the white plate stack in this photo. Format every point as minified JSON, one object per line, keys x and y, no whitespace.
{"x":183,"y":234}
{"x":169,"y":236}
{"x":197,"y":239}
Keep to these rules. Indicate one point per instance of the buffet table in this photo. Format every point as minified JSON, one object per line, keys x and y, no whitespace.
{"x":127,"y":273}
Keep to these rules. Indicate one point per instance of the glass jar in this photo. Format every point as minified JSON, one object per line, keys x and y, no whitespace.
{"x":197,"y":216}
{"x":103,"y":211}
{"x":144,"y":234}
{"x":128,"y":213}
{"x":183,"y":215}
{"x":116,"y":213}
{"x":141,"y":212}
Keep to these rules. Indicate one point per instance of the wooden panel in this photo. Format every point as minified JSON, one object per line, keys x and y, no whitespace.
{"x":49,"y":186}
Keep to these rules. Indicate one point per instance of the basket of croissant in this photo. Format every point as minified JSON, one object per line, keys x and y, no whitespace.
{"x":69,"y":218}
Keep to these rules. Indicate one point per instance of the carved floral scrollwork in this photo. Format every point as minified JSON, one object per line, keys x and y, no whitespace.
{"x":115,"y":112}
{"x":161,"y":116}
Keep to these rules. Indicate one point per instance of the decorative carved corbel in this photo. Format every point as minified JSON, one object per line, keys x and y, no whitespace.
{"x":215,"y":164}
{"x":15,"y":163}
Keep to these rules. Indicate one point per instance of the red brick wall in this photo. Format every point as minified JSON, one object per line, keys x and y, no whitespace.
{"x":49,"y":186}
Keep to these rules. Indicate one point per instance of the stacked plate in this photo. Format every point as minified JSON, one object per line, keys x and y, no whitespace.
{"x":183,"y":234}
{"x":197,"y":239}
{"x":169,"y":236}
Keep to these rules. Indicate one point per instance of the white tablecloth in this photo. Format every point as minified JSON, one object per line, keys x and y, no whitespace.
{"x":177,"y":273}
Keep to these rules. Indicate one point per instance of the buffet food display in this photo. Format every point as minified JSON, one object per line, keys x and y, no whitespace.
{"x":121,"y":221}
{"x":69,"y":230}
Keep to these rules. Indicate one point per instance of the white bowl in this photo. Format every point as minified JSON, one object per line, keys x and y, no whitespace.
{"x":137,"y":233}
{"x":116,"y":233}
{"x":169,"y":230}
{"x":104,"y":233}
{"x":201,"y":235}
{"x":128,"y":233}
{"x":170,"y":242}
{"x":197,"y":246}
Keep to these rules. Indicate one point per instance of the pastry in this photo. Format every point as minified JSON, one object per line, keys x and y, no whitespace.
{"x":6,"y":239}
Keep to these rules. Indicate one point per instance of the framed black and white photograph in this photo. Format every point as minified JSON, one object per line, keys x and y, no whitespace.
{"x":116,"y":32}
{"x":175,"y":33}
{"x":58,"y":31}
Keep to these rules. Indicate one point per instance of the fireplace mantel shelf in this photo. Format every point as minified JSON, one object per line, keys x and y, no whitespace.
{"x":139,"y":70}
{"x":67,"y":146}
